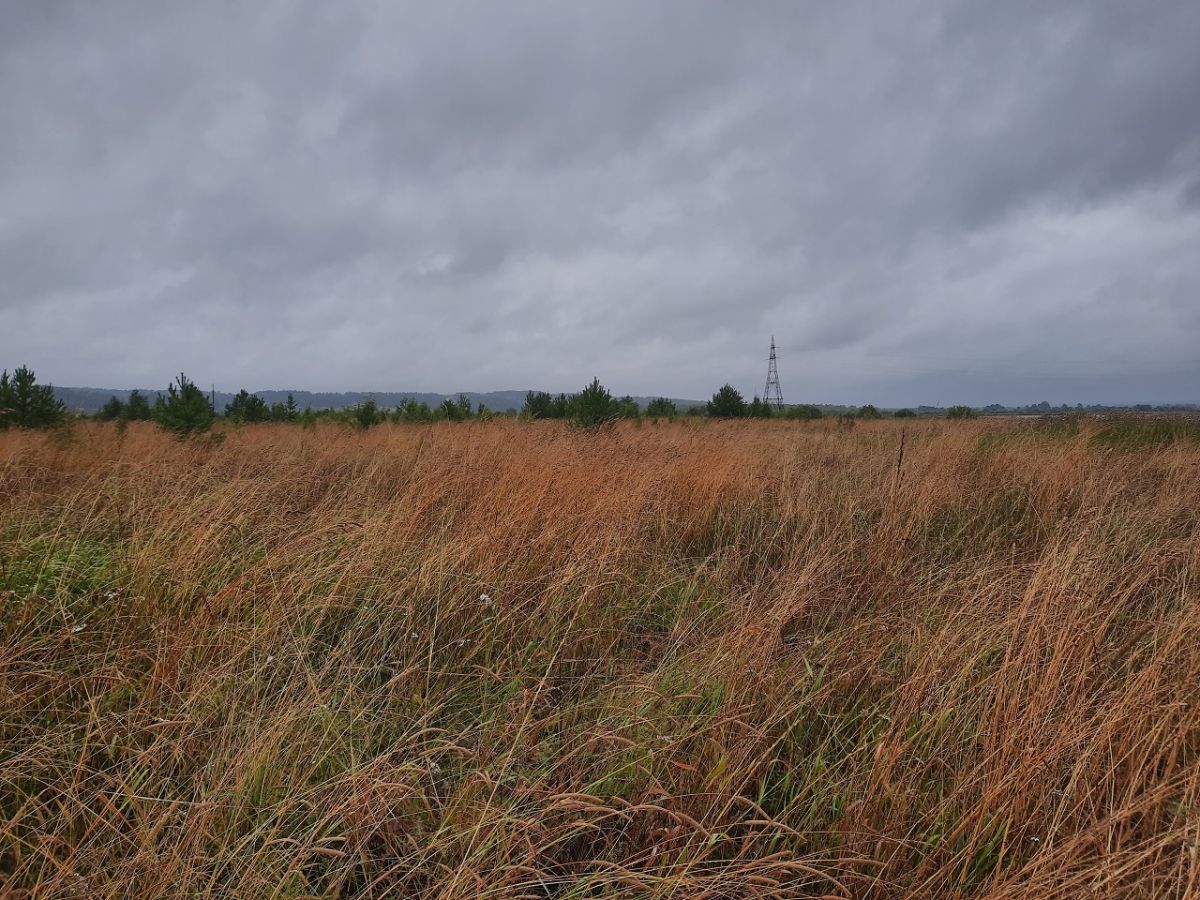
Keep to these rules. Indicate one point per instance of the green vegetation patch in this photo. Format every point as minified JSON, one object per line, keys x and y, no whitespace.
{"x":990,"y":522}
{"x":73,"y":575}
{"x":1147,"y":433}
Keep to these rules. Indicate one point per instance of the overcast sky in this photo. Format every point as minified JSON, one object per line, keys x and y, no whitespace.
{"x":934,"y":202}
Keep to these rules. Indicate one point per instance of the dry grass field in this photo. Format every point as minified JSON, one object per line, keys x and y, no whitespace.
{"x":506,"y":659}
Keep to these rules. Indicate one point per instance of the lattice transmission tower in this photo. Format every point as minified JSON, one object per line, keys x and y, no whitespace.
{"x":772,"y":395}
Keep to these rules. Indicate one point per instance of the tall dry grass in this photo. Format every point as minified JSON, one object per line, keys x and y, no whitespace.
{"x":516,"y":660}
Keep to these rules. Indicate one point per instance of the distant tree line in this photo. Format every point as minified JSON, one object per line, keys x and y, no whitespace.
{"x":246,"y":407}
{"x":135,"y":409}
{"x":728,"y":403}
{"x":185,"y":409}
{"x":592,"y":406}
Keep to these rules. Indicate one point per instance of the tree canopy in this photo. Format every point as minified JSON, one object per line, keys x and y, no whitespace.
{"x":594,"y":405}
{"x":26,"y":404}
{"x":138,"y":409}
{"x":247,"y":407}
{"x":661,"y":408}
{"x":184,"y":410}
{"x":727,"y":403}
{"x":759,"y":409}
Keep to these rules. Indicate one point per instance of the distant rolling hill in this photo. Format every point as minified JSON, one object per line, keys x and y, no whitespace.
{"x":89,"y":399}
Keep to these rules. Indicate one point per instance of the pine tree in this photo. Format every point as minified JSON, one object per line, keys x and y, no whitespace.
{"x":138,"y":408}
{"x":185,"y":410}
{"x":661,"y":408}
{"x":112,"y":410}
{"x":593,"y":405}
{"x":537,"y":405}
{"x":247,"y":407}
{"x":727,"y":403}
{"x":26,"y":404}
{"x":627,"y":408}
{"x":759,"y":409}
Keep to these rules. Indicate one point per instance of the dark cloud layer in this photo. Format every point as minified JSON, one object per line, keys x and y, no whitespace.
{"x":939,"y":202}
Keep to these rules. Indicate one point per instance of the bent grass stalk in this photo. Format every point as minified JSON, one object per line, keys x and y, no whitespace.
{"x":511,"y":659}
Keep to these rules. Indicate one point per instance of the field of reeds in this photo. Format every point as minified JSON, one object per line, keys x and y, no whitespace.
{"x":509,"y":659}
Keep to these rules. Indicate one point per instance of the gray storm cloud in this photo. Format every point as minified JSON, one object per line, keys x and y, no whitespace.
{"x":943,"y":203}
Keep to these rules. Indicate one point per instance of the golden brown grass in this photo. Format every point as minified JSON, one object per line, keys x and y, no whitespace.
{"x":516,"y":660}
